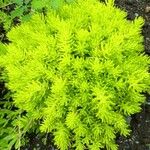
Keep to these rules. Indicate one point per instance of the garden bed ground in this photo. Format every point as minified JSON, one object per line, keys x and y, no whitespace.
{"x":140,"y":123}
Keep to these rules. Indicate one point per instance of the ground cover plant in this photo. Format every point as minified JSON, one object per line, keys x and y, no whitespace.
{"x":78,"y":74}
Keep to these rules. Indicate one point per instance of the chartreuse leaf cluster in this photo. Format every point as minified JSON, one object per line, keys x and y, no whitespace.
{"x":80,"y":71}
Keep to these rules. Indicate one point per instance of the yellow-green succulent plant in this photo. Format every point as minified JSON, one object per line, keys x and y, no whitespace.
{"x":81,"y":71}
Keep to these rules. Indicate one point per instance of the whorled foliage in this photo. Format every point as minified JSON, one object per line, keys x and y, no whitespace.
{"x":81,"y":70}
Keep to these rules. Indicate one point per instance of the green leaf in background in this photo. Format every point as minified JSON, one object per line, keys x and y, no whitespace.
{"x":4,"y":3}
{"x":39,"y":4}
{"x":55,"y":4}
{"x":3,"y":16}
{"x":17,"y":12}
{"x":26,"y":18}
{"x":18,"y":2}
{"x":27,"y":2}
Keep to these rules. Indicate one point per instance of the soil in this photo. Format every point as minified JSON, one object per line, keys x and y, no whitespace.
{"x":140,"y":123}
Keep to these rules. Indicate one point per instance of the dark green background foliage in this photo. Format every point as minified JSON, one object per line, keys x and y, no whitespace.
{"x":78,"y":73}
{"x":14,"y":11}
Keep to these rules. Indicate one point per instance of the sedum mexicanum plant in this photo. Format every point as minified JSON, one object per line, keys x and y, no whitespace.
{"x":80,"y":71}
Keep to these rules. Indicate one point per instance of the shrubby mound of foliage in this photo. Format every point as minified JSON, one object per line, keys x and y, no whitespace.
{"x":79,"y":72}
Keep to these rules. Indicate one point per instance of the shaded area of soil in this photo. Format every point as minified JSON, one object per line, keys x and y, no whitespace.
{"x":39,"y":142}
